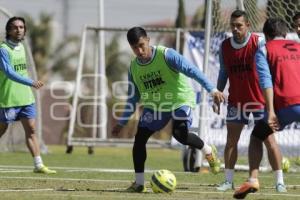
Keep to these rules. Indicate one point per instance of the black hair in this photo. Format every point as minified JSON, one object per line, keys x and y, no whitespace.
{"x":275,"y":27}
{"x":134,"y":34}
{"x":9,"y":24}
{"x":239,"y":13}
{"x":296,"y":16}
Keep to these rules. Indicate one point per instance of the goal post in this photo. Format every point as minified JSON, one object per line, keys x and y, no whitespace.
{"x":213,"y":127}
{"x":91,"y":40}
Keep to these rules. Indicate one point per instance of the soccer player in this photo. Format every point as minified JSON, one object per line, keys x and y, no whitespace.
{"x":158,"y":81}
{"x":237,"y":63}
{"x":296,"y":25}
{"x":16,"y":98}
{"x":278,"y":67}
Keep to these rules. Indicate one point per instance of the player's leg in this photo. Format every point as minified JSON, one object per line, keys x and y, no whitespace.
{"x":255,"y":150}
{"x":30,"y":135}
{"x":234,"y":130}
{"x":26,"y":116}
{"x":255,"y":153}
{"x":231,"y":151}
{"x":182,"y":119}
{"x":150,"y":121}
{"x":139,"y":154}
{"x":181,"y":134}
{"x":261,"y":132}
{"x":275,"y":158}
{"x":235,"y":121}
{"x":33,"y":146}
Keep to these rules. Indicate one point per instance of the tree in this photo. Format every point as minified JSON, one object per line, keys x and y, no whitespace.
{"x":40,"y":36}
{"x":198,"y":17}
{"x":51,"y":61}
{"x":181,"y":19}
{"x":181,"y":22}
{"x":62,"y":58}
{"x":116,"y":66}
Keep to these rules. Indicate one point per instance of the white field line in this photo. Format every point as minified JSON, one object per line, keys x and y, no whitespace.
{"x":27,"y":190}
{"x":15,"y":171}
{"x":12,"y":170}
{"x":63,"y":179}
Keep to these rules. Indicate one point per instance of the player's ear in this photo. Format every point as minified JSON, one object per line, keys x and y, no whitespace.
{"x":248,"y":24}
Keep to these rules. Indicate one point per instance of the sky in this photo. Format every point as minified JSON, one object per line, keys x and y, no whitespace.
{"x":117,"y":13}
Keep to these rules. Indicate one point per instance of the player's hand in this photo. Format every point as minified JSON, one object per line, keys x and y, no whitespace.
{"x":273,"y":121}
{"x":116,"y":130}
{"x":37,"y":84}
{"x":218,"y":97}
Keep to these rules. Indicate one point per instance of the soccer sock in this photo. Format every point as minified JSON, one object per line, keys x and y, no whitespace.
{"x":139,"y":178}
{"x":38,"y":162}
{"x":206,"y":149}
{"x":229,"y":175}
{"x":279,"y":177}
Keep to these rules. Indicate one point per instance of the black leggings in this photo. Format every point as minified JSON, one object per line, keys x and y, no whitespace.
{"x":180,"y":133}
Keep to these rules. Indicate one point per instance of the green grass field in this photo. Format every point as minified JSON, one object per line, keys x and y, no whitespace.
{"x":106,"y":173}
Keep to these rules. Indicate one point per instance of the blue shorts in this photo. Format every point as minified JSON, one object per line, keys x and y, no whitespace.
{"x":237,"y":115}
{"x":287,"y":115}
{"x":9,"y":115}
{"x":155,"y":120}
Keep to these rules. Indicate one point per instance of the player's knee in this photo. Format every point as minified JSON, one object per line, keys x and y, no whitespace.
{"x":141,"y":137}
{"x":261,"y":130}
{"x":180,"y":131}
{"x":231,"y":143}
{"x":271,"y":143}
{"x":30,"y":132}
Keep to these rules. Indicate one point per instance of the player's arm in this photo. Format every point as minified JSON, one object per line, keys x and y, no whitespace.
{"x":222,"y":80}
{"x":222,"y":76}
{"x":130,"y":107}
{"x":180,"y":64}
{"x":6,"y":67}
{"x":265,"y":81}
{"x":8,"y":70}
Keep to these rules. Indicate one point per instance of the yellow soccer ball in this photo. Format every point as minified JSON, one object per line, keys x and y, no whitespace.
{"x":163,"y":181}
{"x":285,"y":164}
